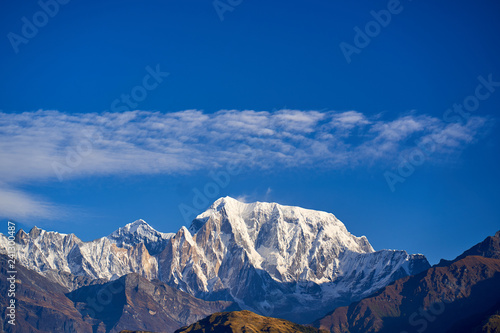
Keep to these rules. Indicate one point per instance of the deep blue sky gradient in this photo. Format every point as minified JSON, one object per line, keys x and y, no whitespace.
{"x":267,"y":56}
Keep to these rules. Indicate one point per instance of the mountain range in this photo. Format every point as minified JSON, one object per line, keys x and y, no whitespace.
{"x":274,"y":260}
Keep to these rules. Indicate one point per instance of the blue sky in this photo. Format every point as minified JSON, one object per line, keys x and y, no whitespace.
{"x":118,"y":110}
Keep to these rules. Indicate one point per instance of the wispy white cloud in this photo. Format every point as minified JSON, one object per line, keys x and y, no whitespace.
{"x":33,"y":144}
{"x":242,"y":198}
{"x":15,"y":204}
{"x":51,"y":145}
{"x":268,"y":194}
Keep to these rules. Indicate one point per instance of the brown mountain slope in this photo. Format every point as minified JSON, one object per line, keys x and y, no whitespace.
{"x":492,"y":325}
{"x":489,"y":248}
{"x":461,"y":296}
{"x":133,"y":302}
{"x":41,"y":305}
{"x":433,"y":301}
{"x":244,"y":322}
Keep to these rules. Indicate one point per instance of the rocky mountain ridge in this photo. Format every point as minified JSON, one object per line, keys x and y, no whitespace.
{"x":460,"y":295}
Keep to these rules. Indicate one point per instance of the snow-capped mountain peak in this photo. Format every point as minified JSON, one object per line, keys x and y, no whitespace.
{"x":137,"y":224}
{"x":260,"y":220}
{"x":250,"y":250}
{"x":137,"y":232}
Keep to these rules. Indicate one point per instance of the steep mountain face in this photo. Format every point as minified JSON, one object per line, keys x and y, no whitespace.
{"x":461,"y":296}
{"x":245,"y":321}
{"x":140,"y":232}
{"x":280,"y":261}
